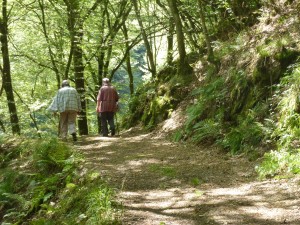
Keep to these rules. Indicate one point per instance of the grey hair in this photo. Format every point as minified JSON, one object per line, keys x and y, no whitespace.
{"x":105,"y":80}
{"x":65,"y":83}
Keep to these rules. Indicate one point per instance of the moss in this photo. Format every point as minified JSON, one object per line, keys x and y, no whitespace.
{"x":166,"y":73}
{"x":154,"y":101}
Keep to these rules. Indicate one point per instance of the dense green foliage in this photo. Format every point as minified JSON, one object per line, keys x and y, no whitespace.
{"x":42,"y":183}
{"x":242,"y":95}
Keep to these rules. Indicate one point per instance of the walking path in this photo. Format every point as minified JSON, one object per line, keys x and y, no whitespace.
{"x":164,"y":183}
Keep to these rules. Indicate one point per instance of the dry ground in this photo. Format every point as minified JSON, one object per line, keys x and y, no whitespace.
{"x":164,"y":183}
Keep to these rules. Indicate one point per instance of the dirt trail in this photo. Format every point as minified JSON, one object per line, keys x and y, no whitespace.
{"x":164,"y":183}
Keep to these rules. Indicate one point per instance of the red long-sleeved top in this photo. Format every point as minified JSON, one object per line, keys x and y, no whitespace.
{"x":107,"y":99}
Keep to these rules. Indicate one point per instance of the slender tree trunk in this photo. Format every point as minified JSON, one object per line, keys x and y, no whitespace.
{"x":183,"y":67}
{"x":7,"y":82}
{"x":189,"y":27}
{"x":108,"y":58}
{"x":2,"y":126}
{"x":170,"y":39}
{"x":69,"y":62}
{"x":100,"y":58}
{"x":45,"y":31}
{"x":210,"y":52}
{"x":128,"y":63}
{"x":150,"y":57}
{"x":100,"y":61}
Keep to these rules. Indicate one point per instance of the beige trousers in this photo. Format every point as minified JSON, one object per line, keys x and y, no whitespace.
{"x":67,"y":123}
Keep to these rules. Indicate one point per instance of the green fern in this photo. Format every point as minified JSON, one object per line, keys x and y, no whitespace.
{"x":285,"y":160}
{"x":206,"y":129}
{"x":209,"y":100}
{"x":50,"y":155}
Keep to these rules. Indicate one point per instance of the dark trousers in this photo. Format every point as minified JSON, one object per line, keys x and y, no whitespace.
{"x":107,"y":118}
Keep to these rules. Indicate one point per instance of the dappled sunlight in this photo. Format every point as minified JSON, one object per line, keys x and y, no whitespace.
{"x":238,"y":191}
{"x":159,"y":181}
{"x":137,"y":163}
{"x":152,"y":205}
{"x":175,"y":121}
{"x":256,"y":201}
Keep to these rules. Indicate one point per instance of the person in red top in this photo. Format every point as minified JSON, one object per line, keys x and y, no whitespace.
{"x":107,"y":106}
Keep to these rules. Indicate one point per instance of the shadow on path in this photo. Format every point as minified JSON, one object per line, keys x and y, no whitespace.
{"x":160,"y":182}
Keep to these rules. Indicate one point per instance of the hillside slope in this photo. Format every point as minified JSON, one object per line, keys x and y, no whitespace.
{"x":246,"y":103}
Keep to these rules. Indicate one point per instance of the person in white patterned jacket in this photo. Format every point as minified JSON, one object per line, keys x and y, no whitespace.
{"x":67,"y":103}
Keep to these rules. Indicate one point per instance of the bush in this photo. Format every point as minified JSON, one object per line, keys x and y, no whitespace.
{"x":50,"y":156}
{"x":285,"y":160}
{"x":279,"y":163}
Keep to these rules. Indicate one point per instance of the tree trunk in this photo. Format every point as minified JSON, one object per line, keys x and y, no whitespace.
{"x":183,"y":67}
{"x":51,"y":54}
{"x":79,"y":80}
{"x":2,"y":126}
{"x":100,"y":61}
{"x":210,"y":52}
{"x":170,"y":39}
{"x":75,"y":26}
{"x":7,"y":82}
{"x":108,"y":58}
{"x":128,"y":63}
{"x":150,"y":57}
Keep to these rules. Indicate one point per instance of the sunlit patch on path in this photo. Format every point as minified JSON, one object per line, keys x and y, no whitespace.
{"x":160,"y":182}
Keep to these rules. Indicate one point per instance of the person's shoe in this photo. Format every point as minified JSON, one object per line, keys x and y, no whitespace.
{"x":74,"y":137}
{"x":113,"y":132}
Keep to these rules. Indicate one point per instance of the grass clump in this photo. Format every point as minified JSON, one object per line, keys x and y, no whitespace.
{"x":166,"y":171}
{"x":44,"y":184}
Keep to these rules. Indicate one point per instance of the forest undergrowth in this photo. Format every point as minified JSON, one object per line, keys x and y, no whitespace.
{"x":44,"y":182}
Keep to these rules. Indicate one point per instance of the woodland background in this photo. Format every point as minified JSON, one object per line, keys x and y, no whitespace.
{"x":232,"y":64}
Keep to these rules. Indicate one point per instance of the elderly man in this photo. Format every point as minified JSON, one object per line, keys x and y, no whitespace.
{"x":67,"y":103}
{"x":107,"y":105}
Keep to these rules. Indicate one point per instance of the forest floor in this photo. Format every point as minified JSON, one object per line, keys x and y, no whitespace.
{"x":164,"y":183}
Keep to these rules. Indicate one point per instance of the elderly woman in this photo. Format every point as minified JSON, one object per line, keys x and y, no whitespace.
{"x":67,"y":103}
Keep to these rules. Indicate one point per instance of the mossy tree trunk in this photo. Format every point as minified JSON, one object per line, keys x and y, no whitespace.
{"x":75,"y":26}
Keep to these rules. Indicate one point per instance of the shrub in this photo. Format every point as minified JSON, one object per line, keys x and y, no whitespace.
{"x":285,"y":160}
